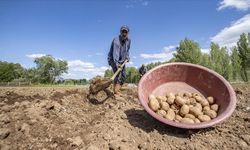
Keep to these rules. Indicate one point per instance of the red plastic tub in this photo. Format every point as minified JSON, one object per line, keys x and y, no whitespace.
{"x":186,"y":77}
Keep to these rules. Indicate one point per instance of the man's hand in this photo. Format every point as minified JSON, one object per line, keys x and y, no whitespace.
{"x":118,"y":66}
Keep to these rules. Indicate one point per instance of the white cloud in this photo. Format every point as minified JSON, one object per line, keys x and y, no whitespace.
{"x":33,"y":56}
{"x":238,"y":4}
{"x":69,"y":75}
{"x":130,"y":63}
{"x":230,"y":35}
{"x":155,"y":55}
{"x":80,"y":69}
{"x":153,"y":61}
{"x":99,"y":54}
{"x":162,"y":56}
{"x":158,"y":57}
{"x":205,"y":50}
{"x":145,"y":3}
{"x":78,"y":65}
{"x":129,"y":6}
{"x":169,"y":48}
{"x":133,"y":3}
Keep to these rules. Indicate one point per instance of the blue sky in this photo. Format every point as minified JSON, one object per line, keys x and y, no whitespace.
{"x":81,"y":31}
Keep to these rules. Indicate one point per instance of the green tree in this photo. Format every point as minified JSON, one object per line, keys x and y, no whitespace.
{"x":236,"y":63}
{"x":243,"y":46}
{"x":132,"y":75}
{"x":188,"y":51}
{"x":220,"y":60}
{"x":205,"y":61}
{"x":48,"y":68}
{"x":32,"y":75}
{"x":226,"y":66}
{"x":152,"y":65}
{"x":108,"y":73}
{"x":10,"y":71}
{"x":83,"y":81}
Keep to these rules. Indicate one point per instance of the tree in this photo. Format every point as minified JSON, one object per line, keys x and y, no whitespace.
{"x":188,"y":51}
{"x":220,"y":60}
{"x":236,"y":63}
{"x":48,"y":68}
{"x":205,"y":61}
{"x":132,"y":75}
{"x":226,"y":66}
{"x":243,"y":46}
{"x":10,"y":71}
{"x":152,"y":65}
{"x":108,"y":73}
{"x":32,"y":75}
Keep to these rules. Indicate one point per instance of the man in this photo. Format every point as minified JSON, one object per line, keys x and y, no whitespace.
{"x":119,"y":52}
{"x":142,"y":70}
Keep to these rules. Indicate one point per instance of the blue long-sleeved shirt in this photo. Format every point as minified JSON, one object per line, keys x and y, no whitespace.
{"x":119,"y":50}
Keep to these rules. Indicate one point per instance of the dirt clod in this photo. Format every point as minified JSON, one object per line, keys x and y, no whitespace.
{"x":77,"y":141}
{"x":4,"y":133}
{"x":24,"y":128}
{"x":92,"y":147}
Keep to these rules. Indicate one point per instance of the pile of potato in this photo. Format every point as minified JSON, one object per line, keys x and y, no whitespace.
{"x":184,"y":107}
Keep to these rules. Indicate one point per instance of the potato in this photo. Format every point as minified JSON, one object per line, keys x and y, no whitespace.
{"x":206,"y":108}
{"x":204,"y":102}
{"x":164,"y":106}
{"x":211,"y":113}
{"x":192,"y":101}
{"x":204,"y":118}
{"x":189,"y":116}
{"x":195,"y":94}
{"x":187,"y":100}
{"x":151,"y":96}
{"x":197,"y":120}
{"x":187,"y":120}
{"x":161,"y":112}
{"x":161,"y":99}
{"x":170,"y":100}
{"x":179,"y":94}
{"x":175,"y":108}
{"x":154,"y":104}
{"x":178,"y":117}
{"x":198,"y":98}
{"x":198,"y":105}
{"x":189,"y":95}
{"x":195,"y":111}
{"x":210,"y":99}
{"x":180,"y":101}
{"x":184,"y":110}
{"x":170,"y":95}
{"x":170,"y":114}
{"x":184,"y":107}
{"x":215,"y":107}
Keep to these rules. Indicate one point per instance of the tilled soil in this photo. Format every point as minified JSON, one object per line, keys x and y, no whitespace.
{"x":63,"y":118}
